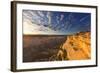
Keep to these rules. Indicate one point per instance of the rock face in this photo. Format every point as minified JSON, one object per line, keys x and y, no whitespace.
{"x":76,"y":47}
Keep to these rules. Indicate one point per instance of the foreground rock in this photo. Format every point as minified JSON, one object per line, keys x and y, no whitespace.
{"x":76,"y":47}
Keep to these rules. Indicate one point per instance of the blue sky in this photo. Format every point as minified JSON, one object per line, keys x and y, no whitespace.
{"x":61,"y":22}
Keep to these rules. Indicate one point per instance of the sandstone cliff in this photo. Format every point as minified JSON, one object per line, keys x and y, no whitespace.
{"x":76,"y":47}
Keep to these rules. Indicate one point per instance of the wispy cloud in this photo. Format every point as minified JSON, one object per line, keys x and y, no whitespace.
{"x":83,"y":18}
{"x":49,"y":17}
{"x":56,"y":21}
{"x":40,"y":13}
{"x":61,"y":17}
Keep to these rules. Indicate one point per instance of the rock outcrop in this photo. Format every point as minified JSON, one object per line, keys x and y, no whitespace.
{"x":76,"y":47}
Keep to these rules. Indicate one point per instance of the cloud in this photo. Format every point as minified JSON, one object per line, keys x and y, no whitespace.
{"x":40,"y":13}
{"x":30,"y":15}
{"x":83,"y":18}
{"x":70,"y":18}
{"x":49,"y":17}
{"x":61,"y":17}
{"x":57,"y":19}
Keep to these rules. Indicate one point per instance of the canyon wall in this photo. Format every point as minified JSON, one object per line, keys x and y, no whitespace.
{"x":76,"y":47}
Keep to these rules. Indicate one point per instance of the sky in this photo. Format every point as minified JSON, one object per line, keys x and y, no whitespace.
{"x":55,"y":22}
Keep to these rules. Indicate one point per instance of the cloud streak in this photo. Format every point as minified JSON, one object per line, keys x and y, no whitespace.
{"x":57,"y":21}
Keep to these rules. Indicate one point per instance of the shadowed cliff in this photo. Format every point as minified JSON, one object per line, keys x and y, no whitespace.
{"x":41,"y":48}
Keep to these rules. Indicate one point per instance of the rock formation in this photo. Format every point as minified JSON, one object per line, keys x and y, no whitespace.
{"x":57,"y":48}
{"x":76,"y":47}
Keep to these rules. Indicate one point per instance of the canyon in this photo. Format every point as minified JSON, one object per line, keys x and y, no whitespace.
{"x":38,"y":48}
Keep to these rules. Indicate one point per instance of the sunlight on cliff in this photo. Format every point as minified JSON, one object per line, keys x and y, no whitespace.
{"x":76,"y":47}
